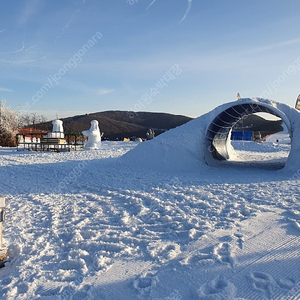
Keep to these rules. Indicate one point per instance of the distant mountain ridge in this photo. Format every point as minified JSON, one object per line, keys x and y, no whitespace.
{"x":120,"y":124}
{"x":116,"y":124}
{"x":256,"y":123}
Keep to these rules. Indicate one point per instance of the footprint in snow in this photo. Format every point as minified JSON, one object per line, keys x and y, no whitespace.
{"x":240,"y":240}
{"x":295,"y":224}
{"x":199,"y":258}
{"x":218,"y":288}
{"x":265,"y":283}
{"x":82,"y":293}
{"x":163,"y":252}
{"x":286,"y":283}
{"x":223,"y":254}
{"x":14,"y":250}
{"x":22,"y":288}
{"x":145,"y":282}
{"x":262,"y":282}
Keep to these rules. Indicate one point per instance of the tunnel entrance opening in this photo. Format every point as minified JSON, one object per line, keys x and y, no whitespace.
{"x":249,"y":134}
{"x":260,"y":140}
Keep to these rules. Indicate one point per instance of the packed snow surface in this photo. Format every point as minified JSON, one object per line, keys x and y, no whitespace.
{"x":151,"y":221}
{"x":270,"y":155}
{"x":83,"y":225}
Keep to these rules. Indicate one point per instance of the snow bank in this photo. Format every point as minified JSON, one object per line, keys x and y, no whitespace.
{"x":183,"y":149}
{"x":179,"y":149}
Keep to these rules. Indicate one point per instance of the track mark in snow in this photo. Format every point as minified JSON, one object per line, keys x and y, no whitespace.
{"x":262,"y":282}
{"x":199,"y":258}
{"x":295,"y":223}
{"x":22,"y":288}
{"x":195,"y":234}
{"x":144,"y":283}
{"x":173,"y":296}
{"x":164,"y":252}
{"x":240,"y":240}
{"x":286,"y":284}
{"x":223,"y":254}
{"x":218,"y":288}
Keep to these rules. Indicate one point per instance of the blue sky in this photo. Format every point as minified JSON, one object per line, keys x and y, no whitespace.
{"x":109,"y":54}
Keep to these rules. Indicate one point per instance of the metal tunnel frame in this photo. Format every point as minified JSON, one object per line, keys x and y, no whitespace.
{"x":218,"y":131}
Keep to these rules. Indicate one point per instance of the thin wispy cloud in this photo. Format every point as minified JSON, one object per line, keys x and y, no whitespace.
{"x":2,"y":89}
{"x":103,"y":92}
{"x":29,"y":48}
{"x":67,"y":25}
{"x":187,"y":10}
{"x":15,"y":51}
{"x":69,"y":22}
{"x":31,"y":8}
{"x":19,"y":50}
{"x":151,"y":4}
{"x":277,"y":45}
{"x":28,"y":51}
{"x":71,"y":19}
{"x":18,"y":62}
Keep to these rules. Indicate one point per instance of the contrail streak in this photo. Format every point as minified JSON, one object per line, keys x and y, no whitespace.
{"x":151,"y":4}
{"x":187,"y":10}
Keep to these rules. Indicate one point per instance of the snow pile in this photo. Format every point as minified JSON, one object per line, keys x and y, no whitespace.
{"x":183,"y":148}
{"x":180,"y":149}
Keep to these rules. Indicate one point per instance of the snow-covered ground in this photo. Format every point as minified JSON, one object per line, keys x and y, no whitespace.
{"x":272,"y":154}
{"x":91,"y":225}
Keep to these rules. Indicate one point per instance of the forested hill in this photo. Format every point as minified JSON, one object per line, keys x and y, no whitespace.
{"x":120,"y":124}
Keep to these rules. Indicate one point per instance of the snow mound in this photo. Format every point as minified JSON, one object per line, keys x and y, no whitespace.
{"x":184,"y":149}
{"x":179,"y":149}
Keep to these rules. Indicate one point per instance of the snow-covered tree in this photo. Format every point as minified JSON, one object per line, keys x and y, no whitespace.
{"x":8,"y":125}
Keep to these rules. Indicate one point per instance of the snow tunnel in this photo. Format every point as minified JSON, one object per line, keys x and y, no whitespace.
{"x":218,"y":132}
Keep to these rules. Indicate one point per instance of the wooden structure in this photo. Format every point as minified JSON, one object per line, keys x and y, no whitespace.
{"x":50,"y":141}
{"x":3,"y":251}
{"x":55,"y":144}
{"x":39,"y":142}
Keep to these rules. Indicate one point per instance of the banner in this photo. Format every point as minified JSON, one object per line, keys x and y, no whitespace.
{"x":297,"y":106}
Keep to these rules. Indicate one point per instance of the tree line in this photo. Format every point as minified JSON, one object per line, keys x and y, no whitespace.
{"x":11,"y":121}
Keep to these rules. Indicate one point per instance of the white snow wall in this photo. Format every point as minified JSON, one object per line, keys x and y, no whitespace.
{"x":205,"y":141}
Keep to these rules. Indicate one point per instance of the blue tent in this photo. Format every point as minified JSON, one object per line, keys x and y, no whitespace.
{"x":241,"y":135}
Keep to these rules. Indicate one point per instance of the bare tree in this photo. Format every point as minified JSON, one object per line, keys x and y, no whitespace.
{"x":25,"y":120}
{"x":32,"y":119}
{"x":9,"y":120}
{"x":42,"y":120}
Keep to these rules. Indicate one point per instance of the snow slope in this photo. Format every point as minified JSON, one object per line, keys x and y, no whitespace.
{"x":148,"y":225}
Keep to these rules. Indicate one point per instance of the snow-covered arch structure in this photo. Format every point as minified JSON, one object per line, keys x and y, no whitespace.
{"x":217,"y":136}
{"x":205,"y":141}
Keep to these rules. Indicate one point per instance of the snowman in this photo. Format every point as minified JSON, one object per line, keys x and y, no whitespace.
{"x":94,"y":136}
